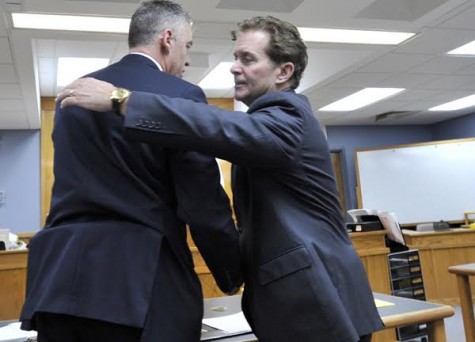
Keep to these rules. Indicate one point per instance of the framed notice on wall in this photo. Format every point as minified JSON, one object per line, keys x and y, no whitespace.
{"x":421,"y":182}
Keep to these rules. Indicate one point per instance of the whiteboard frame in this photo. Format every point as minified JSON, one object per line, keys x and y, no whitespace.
{"x":381,"y":171}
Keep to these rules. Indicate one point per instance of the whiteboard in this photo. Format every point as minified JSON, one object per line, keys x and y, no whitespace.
{"x":419,"y":183}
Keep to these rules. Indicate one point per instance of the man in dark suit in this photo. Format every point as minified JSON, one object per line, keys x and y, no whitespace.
{"x":303,"y":278}
{"x":112,"y":263}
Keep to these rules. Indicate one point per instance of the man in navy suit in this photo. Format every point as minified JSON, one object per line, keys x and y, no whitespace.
{"x":112,"y":263}
{"x":304,"y":280}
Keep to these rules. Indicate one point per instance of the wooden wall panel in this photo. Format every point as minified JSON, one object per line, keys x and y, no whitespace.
{"x":47,"y":151}
{"x":438,"y":251}
{"x":47,"y":155}
{"x":12,"y":283}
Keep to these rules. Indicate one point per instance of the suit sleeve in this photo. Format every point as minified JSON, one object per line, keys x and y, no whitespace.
{"x":269,"y":136}
{"x":204,"y":206}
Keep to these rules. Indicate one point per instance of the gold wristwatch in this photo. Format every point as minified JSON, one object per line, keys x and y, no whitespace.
{"x":118,"y":96}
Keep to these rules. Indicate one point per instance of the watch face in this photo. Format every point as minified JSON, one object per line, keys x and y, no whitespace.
{"x":120,"y":94}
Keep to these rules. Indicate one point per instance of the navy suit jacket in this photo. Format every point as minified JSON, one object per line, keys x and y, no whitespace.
{"x":114,"y":246}
{"x":304,"y":280}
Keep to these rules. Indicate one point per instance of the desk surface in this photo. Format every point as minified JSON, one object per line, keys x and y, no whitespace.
{"x":410,"y":311}
{"x":459,"y":230}
{"x":405,"y":311}
{"x":466,"y":269}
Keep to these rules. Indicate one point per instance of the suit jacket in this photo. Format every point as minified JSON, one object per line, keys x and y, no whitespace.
{"x":304,"y":280}
{"x":114,"y":246}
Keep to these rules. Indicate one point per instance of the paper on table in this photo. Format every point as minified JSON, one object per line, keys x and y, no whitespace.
{"x":230,"y":323}
{"x":382,"y":303}
{"x":12,"y":332}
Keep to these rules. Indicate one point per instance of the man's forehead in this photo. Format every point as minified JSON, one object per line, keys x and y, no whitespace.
{"x":251,"y":42}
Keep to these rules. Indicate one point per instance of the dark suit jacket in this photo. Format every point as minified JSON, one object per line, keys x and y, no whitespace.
{"x":304,"y":280}
{"x":114,"y":245}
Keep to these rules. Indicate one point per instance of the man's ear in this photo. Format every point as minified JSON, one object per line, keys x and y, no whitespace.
{"x":286,"y":72}
{"x":165,"y":39}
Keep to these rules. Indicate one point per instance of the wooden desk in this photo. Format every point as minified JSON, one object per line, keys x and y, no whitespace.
{"x":371,"y":247}
{"x":405,"y":312}
{"x":463,"y":272}
{"x":12,"y":283}
{"x":438,"y":251}
{"x":410,"y":311}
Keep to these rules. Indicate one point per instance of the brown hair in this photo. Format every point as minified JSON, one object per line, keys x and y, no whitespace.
{"x":285,"y":44}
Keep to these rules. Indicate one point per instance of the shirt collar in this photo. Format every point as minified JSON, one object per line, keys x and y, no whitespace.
{"x":149,"y":57}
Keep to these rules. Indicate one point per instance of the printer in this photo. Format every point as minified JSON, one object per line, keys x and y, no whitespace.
{"x":365,"y":223}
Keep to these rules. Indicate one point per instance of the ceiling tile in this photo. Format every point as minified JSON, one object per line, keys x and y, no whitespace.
{"x":436,"y":41}
{"x":462,"y":20}
{"x":442,"y":65}
{"x":5,"y":55}
{"x":449,"y":95}
{"x":448,"y":82}
{"x":12,"y":105}
{"x":415,"y":95}
{"x":7,"y":73}
{"x":3,"y":24}
{"x":281,"y":6}
{"x":325,"y":63}
{"x":467,"y":70}
{"x":394,"y":62}
{"x":359,"y":79}
{"x":406,"y":10}
{"x":125,"y":1}
{"x":405,"y":80}
{"x":334,"y":70}
{"x":10,"y":91}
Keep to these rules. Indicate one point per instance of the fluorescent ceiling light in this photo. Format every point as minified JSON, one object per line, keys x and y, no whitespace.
{"x":70,"y":23}
{"x":467,"y":49}
{"x":361,"y":98}
{"x":121,"y":25}
{"x":462,"y":103}
{"x":353,"y":36}
{"x":219,"y":78}
{"x":70,"y":69}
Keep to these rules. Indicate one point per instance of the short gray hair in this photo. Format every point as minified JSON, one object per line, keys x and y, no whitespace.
{"x":152,"y":17}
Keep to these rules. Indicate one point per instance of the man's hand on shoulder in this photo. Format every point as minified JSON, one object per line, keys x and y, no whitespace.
{"x":88,"y":93}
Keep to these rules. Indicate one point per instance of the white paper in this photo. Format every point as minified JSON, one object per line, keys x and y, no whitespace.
{"x":230,"y":323}
{"x":12,"y":332}
{"x":390,"y":224}
{"x":4,"y":236}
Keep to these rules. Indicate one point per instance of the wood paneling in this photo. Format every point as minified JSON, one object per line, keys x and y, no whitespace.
{"x":12,"y":283}
{"x":438,"y":251}
{"x":224,"y":103}
{"x":337,"y":166}
{"x":47,"y":154}
{"x":47,"y":151}
{"x":371,"y":248}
